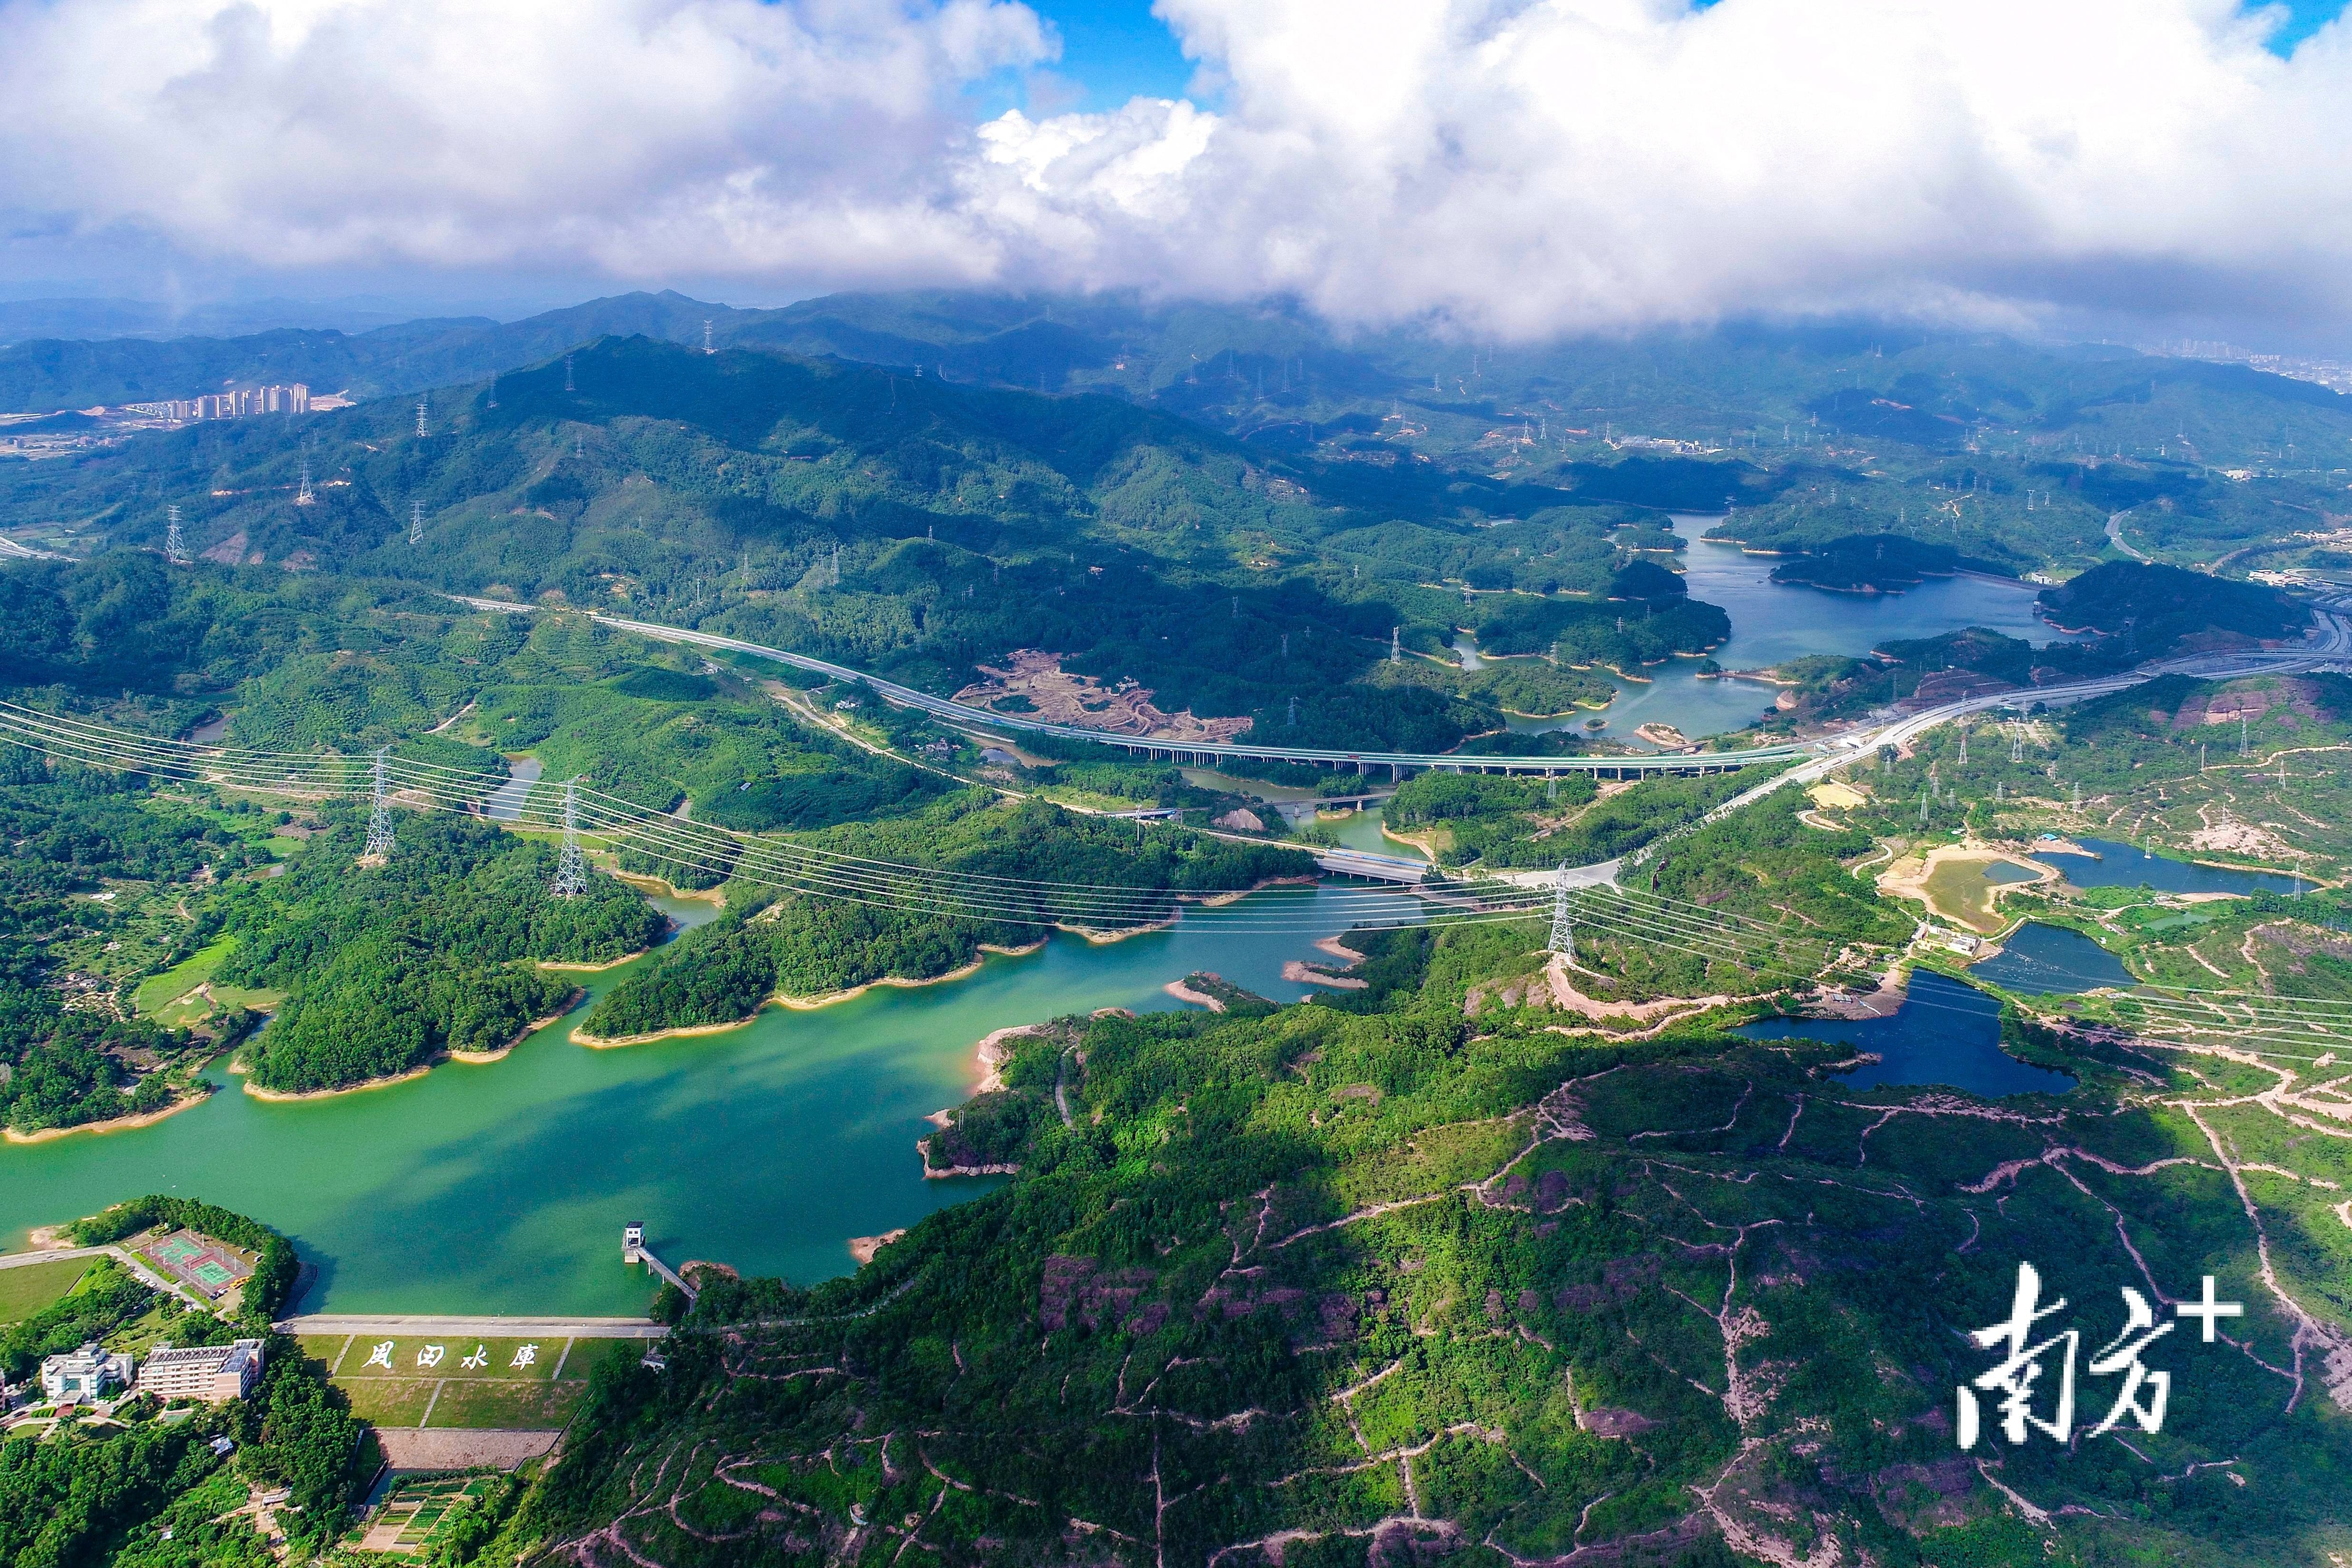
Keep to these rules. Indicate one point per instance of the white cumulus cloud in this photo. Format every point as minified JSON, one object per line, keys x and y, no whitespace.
{"x":1514,"y":167}
{"x":636,"y":137}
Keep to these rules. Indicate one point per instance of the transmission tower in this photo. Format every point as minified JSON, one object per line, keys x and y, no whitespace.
{"x":706,"y":339}
{"x":1395,"y":657}
{"x":1292,"y":721}
{"x":494,"y":390}
{"x":567,"y":375}
{"x":379,"y":839}
{"x":571,"y":866}
{"x":421,"y":405}
{"x":1964,"y":745}
{"x":302,"y":498}
{"x":175,"y":548}
{"x":1563,"y":925}
{"x":2017,"y":743}
{"x":416,"y":522}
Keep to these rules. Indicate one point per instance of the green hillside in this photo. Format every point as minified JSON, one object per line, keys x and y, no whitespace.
{"x":913,"y":526}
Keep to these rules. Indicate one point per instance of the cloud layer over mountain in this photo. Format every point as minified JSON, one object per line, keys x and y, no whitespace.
{"x":1519,"y":169}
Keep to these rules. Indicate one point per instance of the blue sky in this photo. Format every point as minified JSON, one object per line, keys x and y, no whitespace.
{"x":1116,"y":49}
{"x":2305,"y":17}
{"x":1113,"y":50}
{"x":819,"y":153}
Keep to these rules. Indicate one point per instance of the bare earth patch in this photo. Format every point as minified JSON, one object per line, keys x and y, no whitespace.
{"x":1056,"y":696}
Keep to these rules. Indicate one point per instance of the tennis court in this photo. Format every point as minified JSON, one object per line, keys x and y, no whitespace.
{"x":197,"y":1261}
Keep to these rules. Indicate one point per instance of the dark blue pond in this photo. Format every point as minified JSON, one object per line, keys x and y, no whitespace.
{"x":2125,"y":865}
{"x":1946,"y":1033}
{"x":2049,"y":960}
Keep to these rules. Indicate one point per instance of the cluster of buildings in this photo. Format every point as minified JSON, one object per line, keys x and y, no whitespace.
{"x":214,"y":1372}
{"x":2334,"y":375}
{"x":239,"y":405}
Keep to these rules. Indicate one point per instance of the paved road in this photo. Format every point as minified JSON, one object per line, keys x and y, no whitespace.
{"x":1202,"y":752}
{"x":54,"y":1255}
{"x":2332,"y":643}
{"x":138,"y":1267}
{"x":2115,"y":538}
{"x":397,"y":1325}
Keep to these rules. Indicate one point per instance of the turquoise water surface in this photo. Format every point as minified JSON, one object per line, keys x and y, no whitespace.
{"x":502,"y":1187}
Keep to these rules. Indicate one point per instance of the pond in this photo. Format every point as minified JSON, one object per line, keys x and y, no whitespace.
{"x":502,"y":1187}
{"x":504,"y":804}
{"x":2040,"y":960}
{"x":1772,"y":622}
{"x":2114,"y":864}
{"x":1946,"y":1032}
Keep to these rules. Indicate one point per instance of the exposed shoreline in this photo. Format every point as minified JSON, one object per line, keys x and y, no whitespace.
{"x":289,"y":1096}
{"x":668,"y":889}
{"x":1184,"y":993}
{"x":114,"y":1124}
{"x":579,"y":1036}
{"x":797,"y":1004}
{"x":477,"y":1057}
{"x":994,"y":1052}
{"x":554,"y":967}
{"x":863,"y":1248}
{"x":1234,"y":895}
{"x":1299,"y":973}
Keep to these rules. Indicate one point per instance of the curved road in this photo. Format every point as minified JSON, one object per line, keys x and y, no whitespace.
{"x":2331,"y":638}
{"x":1198,"y":752}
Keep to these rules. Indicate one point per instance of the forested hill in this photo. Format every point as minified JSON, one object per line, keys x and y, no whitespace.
{"x":912,"y":527}
{"x":45,"y":374}
{"x":2012,"y":453}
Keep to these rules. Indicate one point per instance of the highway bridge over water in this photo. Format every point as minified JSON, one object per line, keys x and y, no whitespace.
{"x":1201,"y":753}
{"x":2330,"y":638}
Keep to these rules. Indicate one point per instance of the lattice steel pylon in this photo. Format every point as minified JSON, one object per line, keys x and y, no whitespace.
{"x":571,"y":867}
{"x":176,"y":546}
{"x":1563,"y":925}
{"x":416,"y":522}
{"x":379,"y":839}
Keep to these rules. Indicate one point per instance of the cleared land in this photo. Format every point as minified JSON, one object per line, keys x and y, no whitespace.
{"x":26,"y":1291}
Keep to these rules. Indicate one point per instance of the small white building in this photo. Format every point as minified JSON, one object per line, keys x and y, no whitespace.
{"x":216,"y":1373}
{"x":84,"y":1374}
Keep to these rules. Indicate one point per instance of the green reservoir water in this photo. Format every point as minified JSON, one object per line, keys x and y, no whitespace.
{"x":503,"y":1188}
{"x":1772,"y":622}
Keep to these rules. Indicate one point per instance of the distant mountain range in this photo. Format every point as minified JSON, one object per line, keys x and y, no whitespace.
{"x":2001,"y":452}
